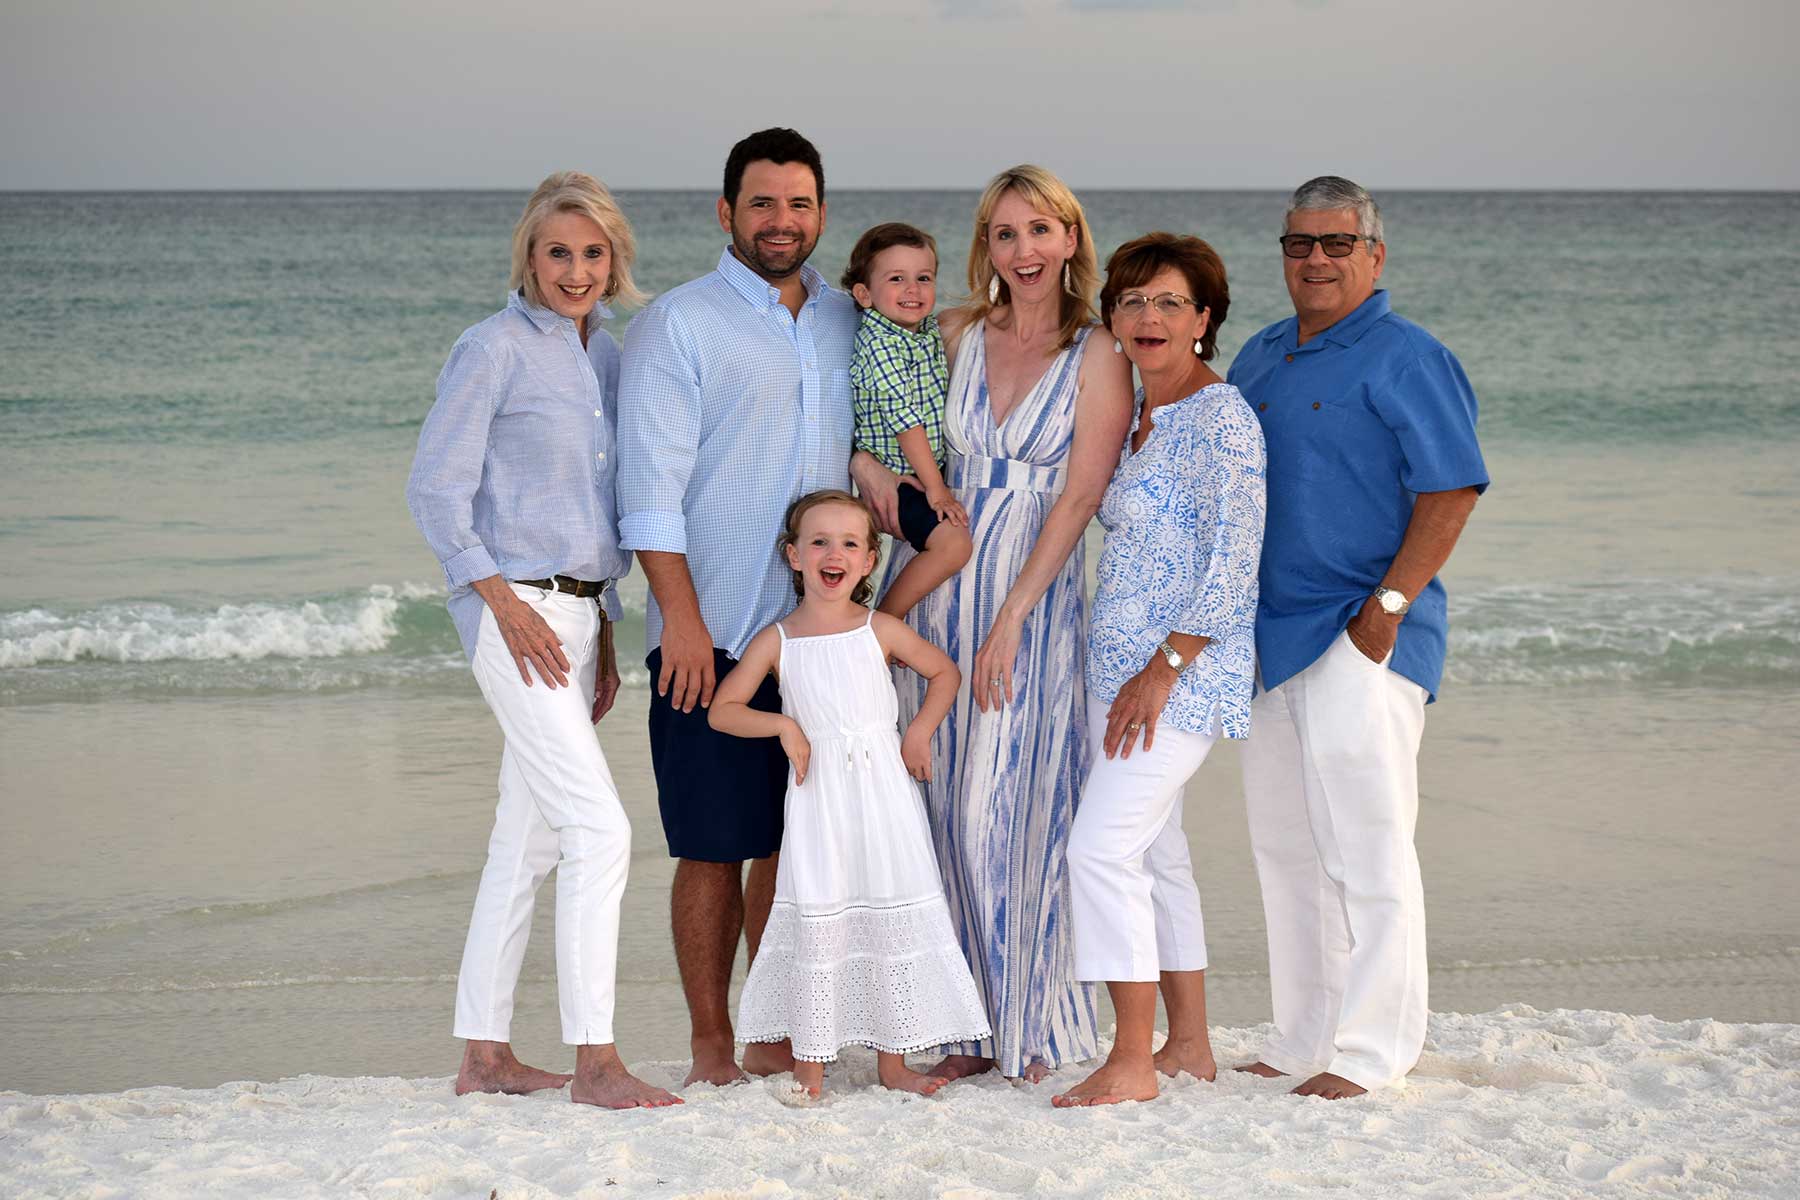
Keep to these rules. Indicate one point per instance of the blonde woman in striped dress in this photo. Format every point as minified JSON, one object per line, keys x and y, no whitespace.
{"x":1037,"y":413}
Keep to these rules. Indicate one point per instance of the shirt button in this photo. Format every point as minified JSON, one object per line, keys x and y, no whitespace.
{"x":597,"y":412}
{"x":1315,"y":404}
{"x":1290,"y":358}
{"x":1263,"y":407}
{"x":602,"y":457}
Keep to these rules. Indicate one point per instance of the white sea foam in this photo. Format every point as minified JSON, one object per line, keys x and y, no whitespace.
{"x":1515,"y":1102}
{"x":133,"y":632}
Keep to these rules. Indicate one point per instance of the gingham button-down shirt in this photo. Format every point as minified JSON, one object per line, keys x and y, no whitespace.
{"x":898,"y":380}
{"x":731,"y":409}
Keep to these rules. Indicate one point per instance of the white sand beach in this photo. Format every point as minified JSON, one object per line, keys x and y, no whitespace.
{"x":1514,"y":1102}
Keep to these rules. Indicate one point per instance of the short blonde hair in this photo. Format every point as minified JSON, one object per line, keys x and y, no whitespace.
{"x":1047,"y":194}
{"x":573,"y":191}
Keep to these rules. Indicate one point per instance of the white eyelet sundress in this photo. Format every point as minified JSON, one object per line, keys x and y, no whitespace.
{"x":859,"y":949}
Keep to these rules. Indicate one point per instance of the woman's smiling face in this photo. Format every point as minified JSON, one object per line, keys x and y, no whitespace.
{"x":572,"y":260}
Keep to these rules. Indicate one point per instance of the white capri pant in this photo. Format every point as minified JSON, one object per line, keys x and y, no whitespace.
{"x":1332,"y":785}
{"x":1136,"y":910}
{"x":558,"y":808}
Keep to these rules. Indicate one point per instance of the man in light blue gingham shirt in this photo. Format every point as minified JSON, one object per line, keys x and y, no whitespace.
{"x":735,"y":402}
{"x":730,"y":410}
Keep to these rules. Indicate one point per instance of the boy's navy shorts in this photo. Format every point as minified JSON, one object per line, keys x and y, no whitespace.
{"x":917,"y":517}
{"x":721,"y":796}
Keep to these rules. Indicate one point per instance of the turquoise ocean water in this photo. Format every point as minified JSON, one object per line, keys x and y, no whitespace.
{"x":245,"y":777}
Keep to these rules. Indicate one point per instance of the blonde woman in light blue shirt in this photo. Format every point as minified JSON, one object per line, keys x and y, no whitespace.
{"x":513,"y":487}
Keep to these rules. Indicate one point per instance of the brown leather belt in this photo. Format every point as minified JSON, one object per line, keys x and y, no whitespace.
{"x":562,"y":583}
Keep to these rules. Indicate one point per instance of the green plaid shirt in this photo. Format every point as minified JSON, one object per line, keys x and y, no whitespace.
{"x":898,"y":380}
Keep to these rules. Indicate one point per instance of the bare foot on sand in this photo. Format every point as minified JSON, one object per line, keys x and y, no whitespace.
{"x":1193,"y":1055}
{"x":1114,"y":1083}
{"x":811,"y":1076}
{"x":1330,"y":1087}
{"x":768,"y":1058}
{"x":1260,"y":1069}
{"x":492,"y":1067}
{"x":961,"y":1066}
{"x":1036,"y":1072}
{"x":895,"y":1074}
{"x":715,"y":1062}
{"x":602,"y":1080}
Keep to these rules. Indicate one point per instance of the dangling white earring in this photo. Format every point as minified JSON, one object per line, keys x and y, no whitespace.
{"x":1199,"y":346}
{"x":1118,"y":346}
{"x":1068,"y":286}
{"x":994,"y":290}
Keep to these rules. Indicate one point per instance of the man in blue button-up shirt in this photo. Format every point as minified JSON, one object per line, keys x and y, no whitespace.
{"x":1373,"y":468}
{"x":735,"y":403}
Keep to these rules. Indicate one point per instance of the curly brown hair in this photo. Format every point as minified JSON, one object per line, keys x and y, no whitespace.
{"x":790,"y":536}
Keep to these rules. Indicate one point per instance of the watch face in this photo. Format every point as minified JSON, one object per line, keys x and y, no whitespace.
{"x":1392,"y":601}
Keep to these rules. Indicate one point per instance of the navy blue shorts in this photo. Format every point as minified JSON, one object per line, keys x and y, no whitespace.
{"x":721,"y":796}
{"x":917,"y":517}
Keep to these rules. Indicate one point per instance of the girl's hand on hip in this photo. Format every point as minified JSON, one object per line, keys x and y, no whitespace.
{"x":1136,"y":709}
{"x":797,"y":749}
{"x":531,"y":640}
{"x":992,"y":683}
{"x":915,"y":752}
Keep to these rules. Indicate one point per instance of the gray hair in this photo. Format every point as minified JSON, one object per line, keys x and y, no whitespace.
{"x":1334,"y":193}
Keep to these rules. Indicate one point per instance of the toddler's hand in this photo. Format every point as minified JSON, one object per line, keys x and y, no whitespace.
{"x":944,"y":504}
{"x":797,"y":748}
{"x":915,"y":752}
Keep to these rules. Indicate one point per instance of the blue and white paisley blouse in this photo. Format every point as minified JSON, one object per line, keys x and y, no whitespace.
{"x":1184,"y":528}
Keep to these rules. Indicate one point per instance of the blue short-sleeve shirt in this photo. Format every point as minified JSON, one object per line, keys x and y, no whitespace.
{"x":1358,"y":421}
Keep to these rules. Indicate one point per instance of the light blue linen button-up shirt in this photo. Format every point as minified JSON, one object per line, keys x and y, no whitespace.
{"x":731,"y":409}
{"x":515,"y":469}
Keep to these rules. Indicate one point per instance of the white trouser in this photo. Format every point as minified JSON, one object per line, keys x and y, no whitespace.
{"x":1332,"y":785}
{"x":1136,"y":911}
{"x":558,"y":808}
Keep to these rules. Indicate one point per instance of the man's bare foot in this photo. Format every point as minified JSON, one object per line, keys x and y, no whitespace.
{"x":768,"y":1058}
{"x":1114,"y":1083}
{"x":1329,"y":1087}
{"x":602,"y":1080}
{"x":961,"y":1066}
{"x":895,"y":1074}
{"x":1194,"y":1056}
{"x":492,"y":1067}
{"x":1261,"y":1069}
{"x":715,"y":1062}
{"x":811,"y":1076}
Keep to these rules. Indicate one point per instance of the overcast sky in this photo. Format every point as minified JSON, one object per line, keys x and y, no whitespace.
{"x":1109,"y":93}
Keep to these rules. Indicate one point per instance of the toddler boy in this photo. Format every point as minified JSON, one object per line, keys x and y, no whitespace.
{"x":898,"y":381}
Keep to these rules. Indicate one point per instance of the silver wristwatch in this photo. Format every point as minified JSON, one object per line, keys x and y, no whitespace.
{"x":1173,"y":655}
{"x":1393,"y":603}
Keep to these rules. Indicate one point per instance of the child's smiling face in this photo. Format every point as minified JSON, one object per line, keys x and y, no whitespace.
{"x":902,"y":285}
{"x":834,"y":550}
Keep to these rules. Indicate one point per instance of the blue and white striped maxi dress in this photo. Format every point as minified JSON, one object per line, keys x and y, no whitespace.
{"x":1004,"y":784}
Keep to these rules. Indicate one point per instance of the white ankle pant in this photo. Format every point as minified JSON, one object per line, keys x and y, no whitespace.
{"x":1136,"y":911}
{"x":558,"y":808}
{"x":1331,"y":783}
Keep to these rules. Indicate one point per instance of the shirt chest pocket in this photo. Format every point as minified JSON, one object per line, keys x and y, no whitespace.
{"x":1325,"y":433}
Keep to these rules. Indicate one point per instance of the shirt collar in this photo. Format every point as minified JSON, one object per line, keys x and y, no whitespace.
{"x":890,"y":328}
{"x":1347,"y":332}
{"x":759,"y":291}
{"x":548,"y":320}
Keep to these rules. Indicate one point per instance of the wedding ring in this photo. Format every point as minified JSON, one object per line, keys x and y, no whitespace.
{"x":1133,"y":726}
{"x":994,"y":682}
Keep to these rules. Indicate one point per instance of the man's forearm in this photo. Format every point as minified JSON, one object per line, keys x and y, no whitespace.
{"x":1437,"y":521}
{"x":671,"y":584}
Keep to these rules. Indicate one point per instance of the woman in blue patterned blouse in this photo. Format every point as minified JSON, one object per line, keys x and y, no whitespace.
{"x":1171,"y":657}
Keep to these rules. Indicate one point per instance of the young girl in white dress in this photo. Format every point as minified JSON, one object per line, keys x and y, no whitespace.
{"x":859,"y":949}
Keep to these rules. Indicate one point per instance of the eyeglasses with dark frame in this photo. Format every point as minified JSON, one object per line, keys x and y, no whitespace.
{"x":1335,"y":245}
{"x":1169,"y":304}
